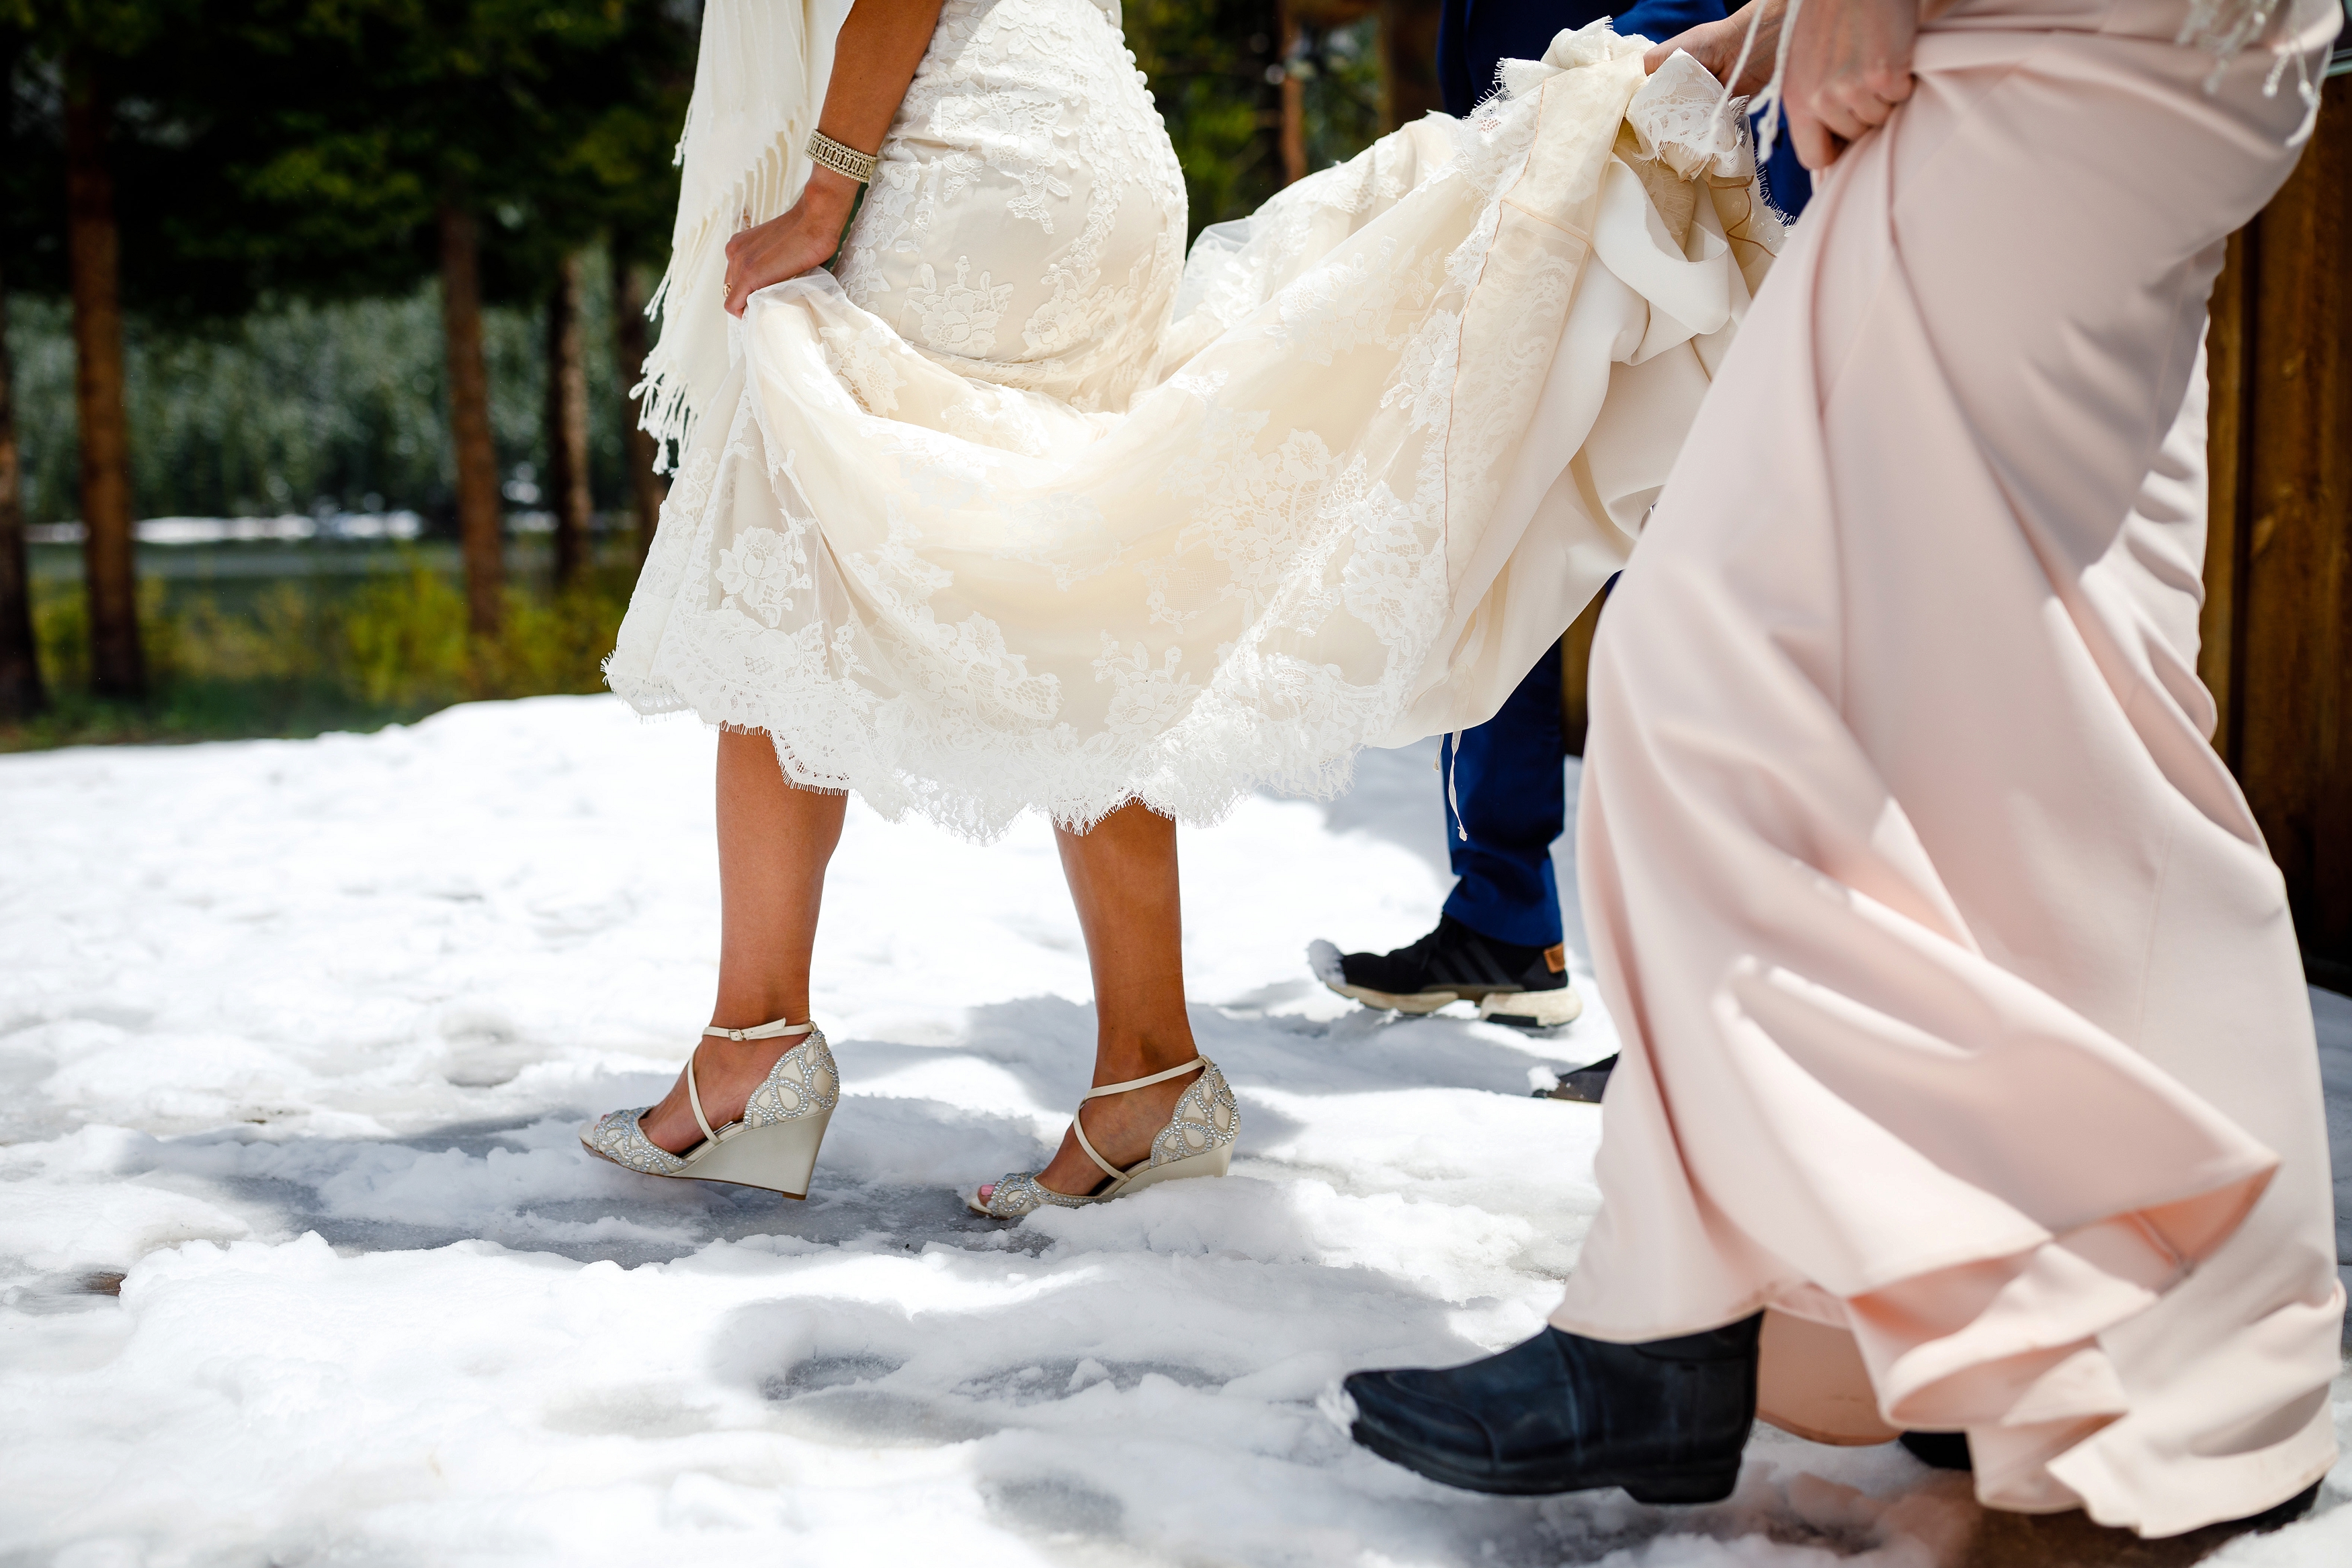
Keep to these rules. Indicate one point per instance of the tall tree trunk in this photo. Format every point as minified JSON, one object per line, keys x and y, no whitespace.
{"x":1408,"y":61}
{"x":21,"y":693}
{"x":1294,"y":98}
{"x":567,"y":426}
{"x":479,"y":524}
{"x":642,"y":452}
{"x":1261,"y":61}
{"x":118,"y":669}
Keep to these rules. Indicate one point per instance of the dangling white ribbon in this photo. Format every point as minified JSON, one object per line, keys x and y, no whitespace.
{"x":1767,"y":103}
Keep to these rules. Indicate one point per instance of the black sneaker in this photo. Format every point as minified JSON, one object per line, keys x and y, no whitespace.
{"x":1525,"y":987}
{"x":1666,"y":1420}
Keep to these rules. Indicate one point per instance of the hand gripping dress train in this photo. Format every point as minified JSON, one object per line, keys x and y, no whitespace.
{"x":1020,"y":509}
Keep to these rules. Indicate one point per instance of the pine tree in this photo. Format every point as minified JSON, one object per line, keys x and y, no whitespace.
{"x":566,"y":425}
{"x":630,"y":345}
{"x":486,"y":125}
{"x":23,"y":693}
{"x":93,"y":248}
{"x":127,"y":165}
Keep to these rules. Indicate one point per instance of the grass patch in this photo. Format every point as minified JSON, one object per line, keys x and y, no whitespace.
{"x":302,"y":657}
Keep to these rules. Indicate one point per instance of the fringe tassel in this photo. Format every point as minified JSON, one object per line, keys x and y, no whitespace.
{"x":2227,"y":29}
{"x":1772,"y":102}
{"x":760,"y":193}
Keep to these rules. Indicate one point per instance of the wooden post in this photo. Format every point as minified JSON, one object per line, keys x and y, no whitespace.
{"x":2219,"y":622}
{"x":567,"y":426}
{"x":22,"y":696}
{"x":1408,"y":61}
{"x":2277,"y":624}
{"x":1294,"y":97}
{"x":479,"y":521}
{"x":118,"y":665}
{"x":1575,"y":667}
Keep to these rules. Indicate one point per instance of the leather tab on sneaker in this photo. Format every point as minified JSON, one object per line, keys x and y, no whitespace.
{"x":1555,"y":957}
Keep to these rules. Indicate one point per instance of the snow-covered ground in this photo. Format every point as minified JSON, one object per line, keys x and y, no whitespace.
{"x":300,"y":1261}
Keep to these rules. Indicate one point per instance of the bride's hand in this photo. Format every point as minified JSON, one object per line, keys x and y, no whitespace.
{"x":1849,"y":66}
{"x":789,"y":245}
{"x":1715,"y":46}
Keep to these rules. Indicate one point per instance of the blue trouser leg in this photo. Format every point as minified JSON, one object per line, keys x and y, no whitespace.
{"x":1513,"y":804}
{"x":1786,"y":180}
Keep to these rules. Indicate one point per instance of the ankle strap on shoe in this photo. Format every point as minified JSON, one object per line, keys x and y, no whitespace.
{"x":1078,"y":1124}
{"x":780,"y":1030}
{"x":1147,"y":1083}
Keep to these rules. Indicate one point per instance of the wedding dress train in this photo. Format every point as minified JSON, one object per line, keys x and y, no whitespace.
{"x":1019,"y":509}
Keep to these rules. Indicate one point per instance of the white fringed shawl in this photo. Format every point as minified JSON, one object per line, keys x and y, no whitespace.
{"x":758,"y":86}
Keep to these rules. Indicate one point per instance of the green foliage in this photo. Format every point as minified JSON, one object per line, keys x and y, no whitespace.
{"x":405,"y":638}
{"x":1341,"y":69}
{"x":302,"y":657}
{"x":553,"y":120}
{"x":1215,"y":69}
{"x":1207,"y":62}
{"x":301,"y":406}
{"x":302,"y":147}
{"x":400,"y":643}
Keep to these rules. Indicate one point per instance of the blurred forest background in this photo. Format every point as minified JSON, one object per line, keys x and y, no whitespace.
{"x":321,"y":318}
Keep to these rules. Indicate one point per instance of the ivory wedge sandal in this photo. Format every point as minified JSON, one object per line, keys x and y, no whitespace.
{"x":1198,"y":1141}
{"x":774,"y":1145}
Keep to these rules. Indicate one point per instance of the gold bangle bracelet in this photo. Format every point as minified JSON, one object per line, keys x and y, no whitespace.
{"x":844,"y":161}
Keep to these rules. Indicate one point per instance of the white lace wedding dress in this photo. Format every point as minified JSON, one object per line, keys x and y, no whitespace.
{"x":1019,"y":510}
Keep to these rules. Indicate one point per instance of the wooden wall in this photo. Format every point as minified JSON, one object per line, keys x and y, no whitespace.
{"x":2277,"y":625}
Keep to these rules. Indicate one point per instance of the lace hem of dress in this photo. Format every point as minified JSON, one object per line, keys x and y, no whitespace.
{"x":854,"y":646}
{"x":1261,"y":722}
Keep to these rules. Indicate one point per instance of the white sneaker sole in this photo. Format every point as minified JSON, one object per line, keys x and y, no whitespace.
{"x":1542,"y":1009}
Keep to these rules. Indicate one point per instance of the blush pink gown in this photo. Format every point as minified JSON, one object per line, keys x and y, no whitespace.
{"x":1965,"y":1027}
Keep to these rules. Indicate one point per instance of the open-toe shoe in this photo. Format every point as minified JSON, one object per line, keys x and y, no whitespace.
{"x":1198,"y":1141}
{"x":773,"y":1144}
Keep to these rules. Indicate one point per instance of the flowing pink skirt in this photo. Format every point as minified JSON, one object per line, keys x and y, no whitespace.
{"x":1965,"y":1026}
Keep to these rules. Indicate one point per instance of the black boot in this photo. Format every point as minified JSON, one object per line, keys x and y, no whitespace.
{"x":1940,"y":1450}
{"x":1666,"y":1420}
{"x":1585,"y":1085}
{"x":1525,"y":987}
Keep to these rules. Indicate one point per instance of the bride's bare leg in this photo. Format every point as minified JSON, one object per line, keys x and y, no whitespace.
{"x":774,"y":844}
{"x":1122,"y":878}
